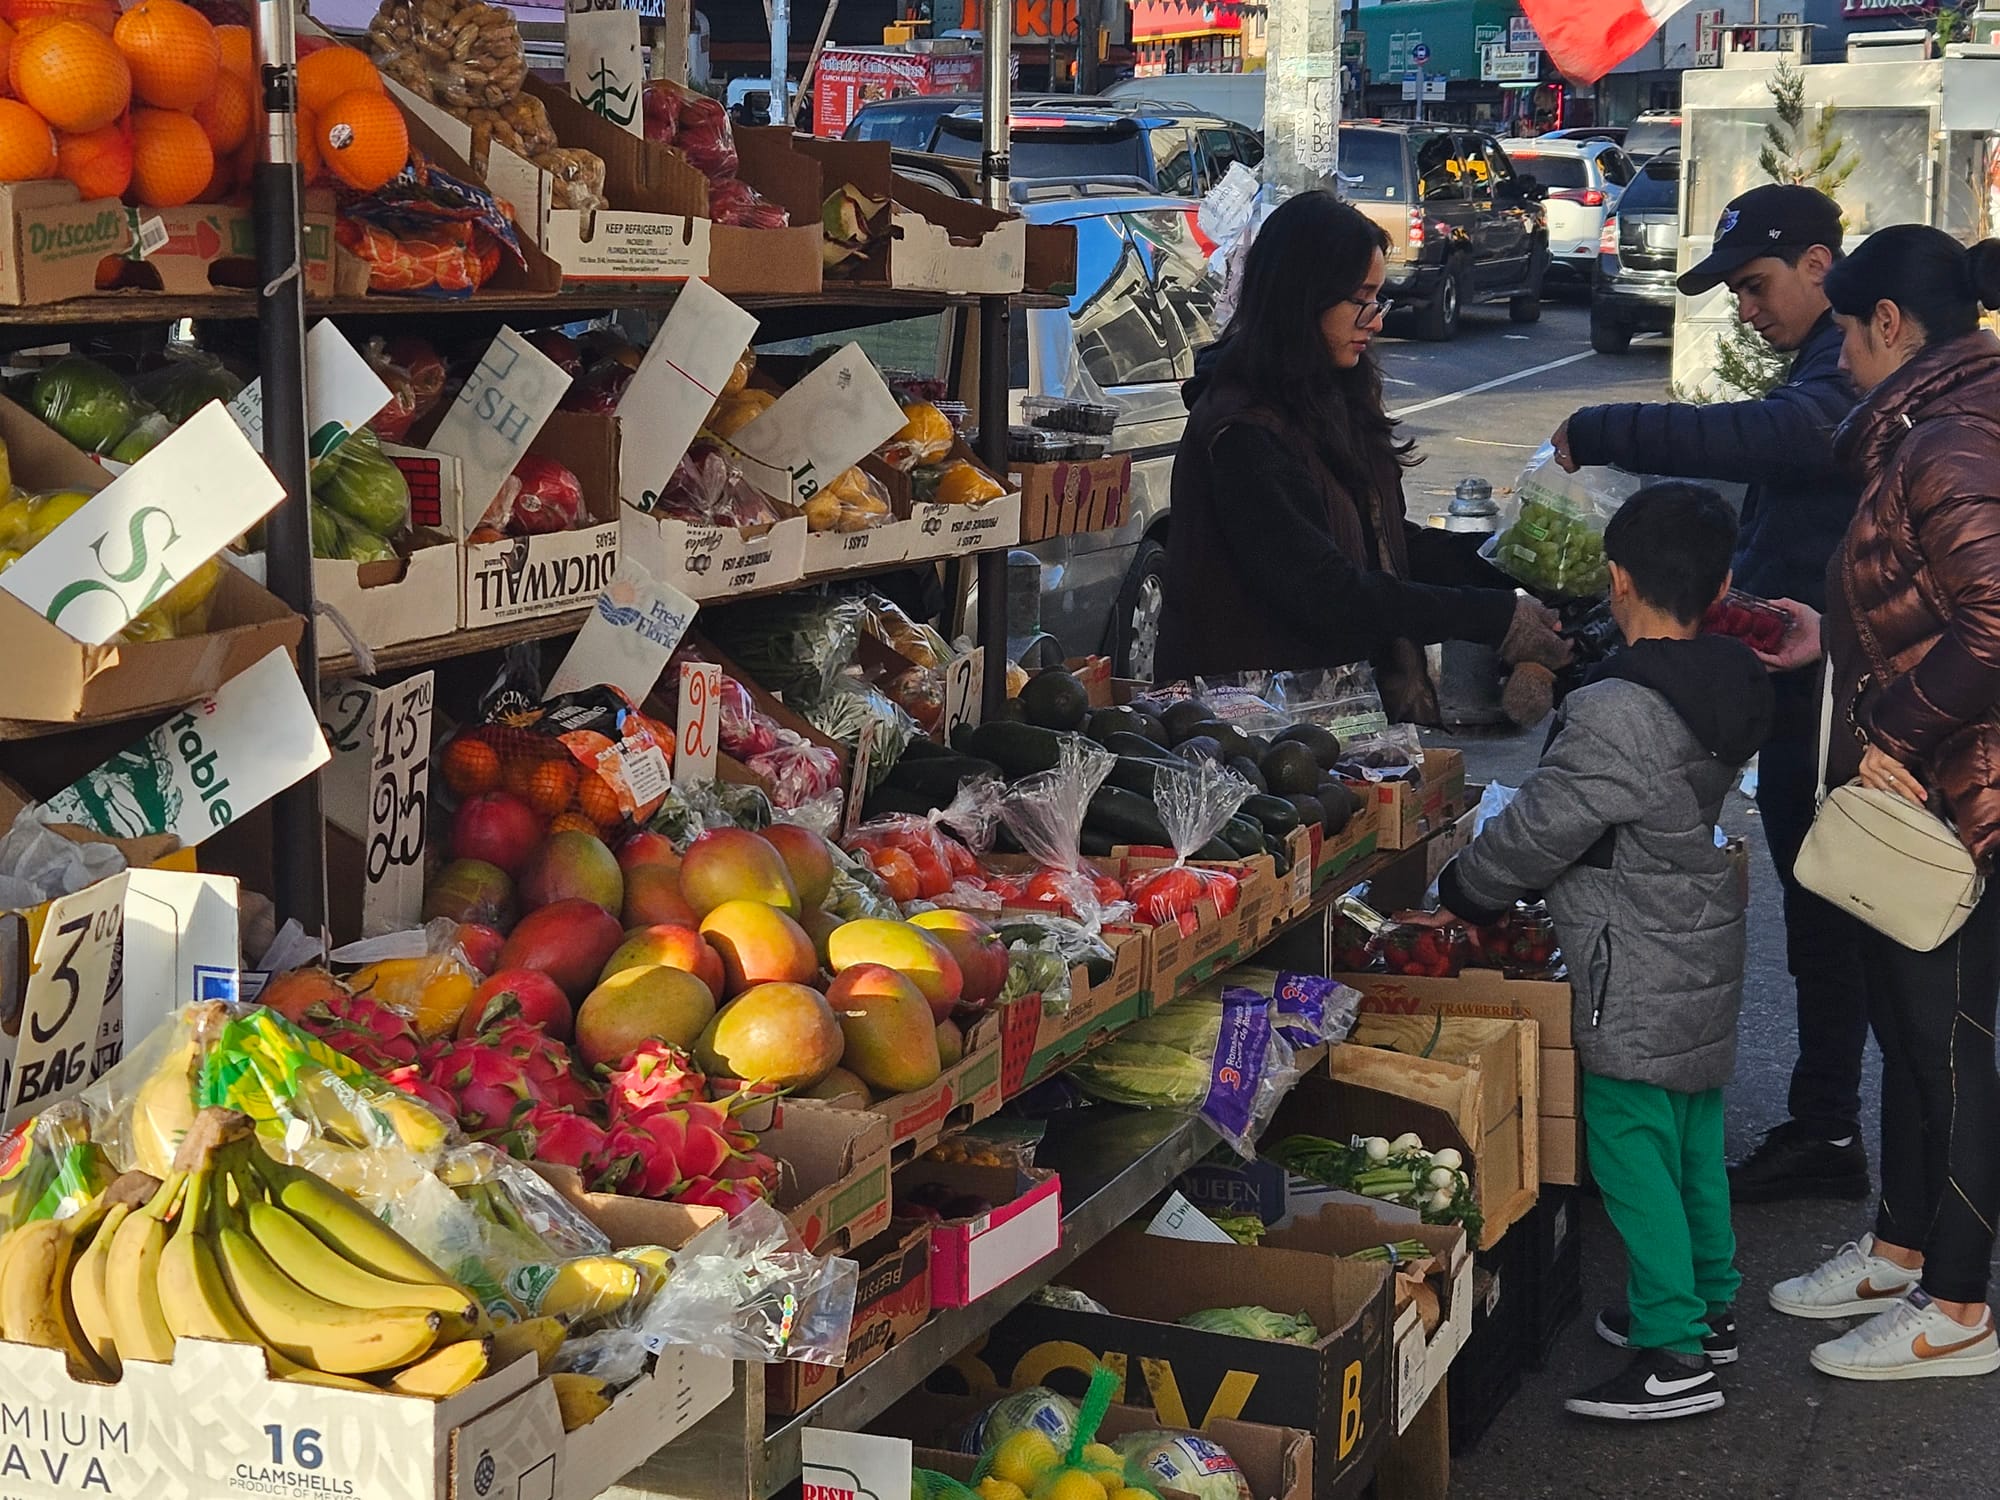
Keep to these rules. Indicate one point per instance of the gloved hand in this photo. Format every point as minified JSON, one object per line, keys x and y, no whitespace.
{"x":1531,"y":637}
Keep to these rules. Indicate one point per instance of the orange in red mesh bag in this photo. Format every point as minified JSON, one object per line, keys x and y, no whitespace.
{"x":588,"y":761}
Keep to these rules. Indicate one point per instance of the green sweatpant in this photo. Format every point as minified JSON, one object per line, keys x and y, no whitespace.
{"x":1657,"y":1157}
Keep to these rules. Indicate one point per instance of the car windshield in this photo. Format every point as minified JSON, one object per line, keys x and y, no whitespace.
{"x":1651,"y":137}
{"x":1055,"y":152}
{"x":1371,"y":166}
{"x":1552,"y":171}
{"x":909,"y":128}
{"x":1658,"y":186}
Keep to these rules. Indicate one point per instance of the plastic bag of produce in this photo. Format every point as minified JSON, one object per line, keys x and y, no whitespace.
{"x":1188,"y":1462}
{"x":591,"y":753}
{"x":1551,"y":534}
{"x":694,"y":123}
{"x":917,"y":643}
{"x":799,"y":773}
{"x":1045,"y":813}
{"x":49,"y":1166}
{"x":1224,"y":1060}
{"x":916,"y":856}
{"x":366,"y":487}
{"x":462,"y":54}
{"x":1194,"y":801}
{"x":854,"y":704}
{"x":708,"y":489}
{"x":541,"y":495}
{"x":188,"y":380}
{"x":747,"y":1288}
{"x":733,"y":201}
{"x":86,"y":402}
{"x":1042,"y":948}
{"x":854,"y":501}
{"x":1312,"y":1009}
{"x":415,"y":375}
{"x":1345,"y":702}
{"x":926,"y":437}
{"x":796,"y":646}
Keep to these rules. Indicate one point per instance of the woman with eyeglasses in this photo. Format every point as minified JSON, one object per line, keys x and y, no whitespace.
{"x":1289,"y":547}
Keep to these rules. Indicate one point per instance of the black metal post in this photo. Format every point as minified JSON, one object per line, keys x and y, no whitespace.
{"x":994,"y":171}
{"x":298,"y":828}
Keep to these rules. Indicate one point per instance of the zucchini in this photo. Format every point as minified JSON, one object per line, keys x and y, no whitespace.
{"x":1278,"y":816}
{"x":1098,"y":965}
{"x":1135,"y":774}
{"x":1244,"y":835}
{"x":1017,"y":749}
{"x":1091,"y":841}
{"x":1140,"y":748}
{"x":1280,"y":855}
{"x":937,"y":776}
{"x":1217,"y":849}
{"x":1128,"y":817}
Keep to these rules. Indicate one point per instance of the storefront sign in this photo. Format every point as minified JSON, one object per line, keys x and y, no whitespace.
{"x":1522,"y":36}
{"x":1498,"y":65}
{"x":1708,"y":39}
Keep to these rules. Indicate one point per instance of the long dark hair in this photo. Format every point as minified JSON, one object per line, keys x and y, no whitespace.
{"x":1313,"y":252}
{"x":1925,"y":272}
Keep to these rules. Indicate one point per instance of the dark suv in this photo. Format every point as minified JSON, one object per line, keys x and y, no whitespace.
{"x":1633,"y":291}
{"x":1170,"y":150}
{"x":1463,"y":225}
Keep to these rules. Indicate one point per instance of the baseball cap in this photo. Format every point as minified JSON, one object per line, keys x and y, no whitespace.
{"x":1775,"y":217}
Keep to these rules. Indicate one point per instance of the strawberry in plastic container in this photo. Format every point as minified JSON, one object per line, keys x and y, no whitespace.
{"x":540,"y":496}
{"x":1194,"y":802}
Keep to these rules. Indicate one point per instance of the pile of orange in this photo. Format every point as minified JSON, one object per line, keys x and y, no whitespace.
{"x":159,"y":106}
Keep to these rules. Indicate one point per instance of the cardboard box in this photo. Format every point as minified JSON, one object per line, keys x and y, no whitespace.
{"x":1475,"y":992}
{"x":877,"y":546}
{"x":1490,"y":1048}
{"x":973,"y":1256}
{"x":1561,"y":1083}
{"x":213,"y":247}
{"x":1561,"y":1150}
{"x":1205,"y":940}
{"x":966,"y":1092}
{"x":52,"y":241}
{"x":1036,"y":1042}
{"x":1451,"y":840}
{"x":892,"y":1300}
{"x":1072,"y":497}
{"x":955,"y":530}
{"x":1334,"y":856}
{"x":1405,"y":815}
{"x":836,"y":1187}
{"x":1421,"y":1356}
{"x":1225,"y":1185}
{"x":525,"y":578}
{"x":1338,"y":1388}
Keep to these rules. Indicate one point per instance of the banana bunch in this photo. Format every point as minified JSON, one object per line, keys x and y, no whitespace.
{"x":237,"y":1246}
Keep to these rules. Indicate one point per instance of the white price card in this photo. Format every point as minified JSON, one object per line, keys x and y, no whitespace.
{"x":75,"y":969}
{"x":499,"y":409}
{"x":602,"y":68}
{"x":828,"y":422}
{"x":378,"y":790}
{"x":343,"y":392}
{"x":208,"y":765}
{"x":853,"y":1465}
{"x":182,"y":944}
{"x":629,"y":637}
{"x":676,"y":384}
{"x":857,"y":781}
{"x":964,"y":685}
{"x":148,"y":529}
{"x":700,"y":724}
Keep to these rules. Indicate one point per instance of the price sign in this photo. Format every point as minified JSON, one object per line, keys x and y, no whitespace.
{"x":700,"y":722}
{"x":342,"y":393}
{"x":964,"y":677}
{"x":822,"y":425}
{"x":857,"y":783}
{"x":74,"y":970}
{"x":499,"y":409}
{"x":378,"y":790}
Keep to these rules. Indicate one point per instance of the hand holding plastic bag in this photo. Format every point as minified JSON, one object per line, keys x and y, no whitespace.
{"x":1552,"y":532}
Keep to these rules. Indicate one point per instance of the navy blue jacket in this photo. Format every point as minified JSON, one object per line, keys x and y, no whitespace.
{"x":1799,"y":499}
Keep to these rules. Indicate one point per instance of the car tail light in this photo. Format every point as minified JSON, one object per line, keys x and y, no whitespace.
{"x":1414,"y":219}
{"x":1588,"y":197}
{"x":1607,"y":237}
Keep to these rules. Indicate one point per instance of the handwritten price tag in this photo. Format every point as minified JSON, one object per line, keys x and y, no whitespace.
{"x":700,"y":722}
{"x":964,"y":677}
{"x":75,"y":968}
{"x":857,"y":784}
{"x":378,"y":790}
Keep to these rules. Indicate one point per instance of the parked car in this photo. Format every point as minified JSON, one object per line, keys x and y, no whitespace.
{"x":909,"y":121}
{"x":1172,"y":150}
{"x":1634,"y":288}
{"x":1233,"y":96}
{"x":1583,"y":180}
{"x":1612,"y":133}
{"x":1655,"y":131}
{"x":1464,"y":226}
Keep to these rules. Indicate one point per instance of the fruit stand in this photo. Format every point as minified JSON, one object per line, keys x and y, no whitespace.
{"x":545,"y":908}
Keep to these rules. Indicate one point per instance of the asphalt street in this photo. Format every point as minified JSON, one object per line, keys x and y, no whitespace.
{"x":1787,"y":1430}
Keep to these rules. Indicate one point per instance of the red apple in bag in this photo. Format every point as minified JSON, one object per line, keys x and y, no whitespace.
{"x":547,"y":497}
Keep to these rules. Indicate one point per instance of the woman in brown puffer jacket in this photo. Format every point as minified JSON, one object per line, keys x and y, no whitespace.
{"x":1912,"y":633}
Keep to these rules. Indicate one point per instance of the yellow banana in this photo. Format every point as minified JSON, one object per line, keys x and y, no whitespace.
{"x":318,"y":1267}
{"x":193,"y":1295}
{"x":306,"y":1327}
{"x":344,"y":1224}
{"x":541,"y":1337}
{"x":163,"y":1109}
{"x":654,"y":1264}
{"x":34,"y":1304}
{"x":444,"y":1373}
{"x":87,"y":1289}
{"x":131,"y":1276}
{"x":588,"y":1288}
{"x":581,"y":1399}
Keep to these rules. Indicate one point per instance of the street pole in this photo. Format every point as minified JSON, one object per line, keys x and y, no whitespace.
{"x":1301,"y":99}
{"x":1420,"y":94}
{"x":997,"y":130}
{"x":781,"y":60}
{"x":1089,"y":37}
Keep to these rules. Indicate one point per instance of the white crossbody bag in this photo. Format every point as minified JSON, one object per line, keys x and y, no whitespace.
{"x":1897,"y":866}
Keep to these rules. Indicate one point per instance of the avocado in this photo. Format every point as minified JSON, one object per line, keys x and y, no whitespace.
{"x":1245,"y":767}
{"x":1309,"y":808}
{"x":1114,"y":720}
{"x":1150,"y":727}
{"x":1199,"y":748}
{"x":1011,"y":712}
{"x":1258,"y":745}
{"x":1232,"y":740}
{"x":1289,"y":768}
{"x":1323,"y":743}
{"x":1340,"y":803}
{"x":1180,"y":718}
{"x":1055,"y":699}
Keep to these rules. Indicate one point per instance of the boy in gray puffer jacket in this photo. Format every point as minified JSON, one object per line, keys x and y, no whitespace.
{"x":1616,"y":827}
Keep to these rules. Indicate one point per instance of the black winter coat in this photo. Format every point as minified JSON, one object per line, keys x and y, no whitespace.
{"x":1800,"y":498}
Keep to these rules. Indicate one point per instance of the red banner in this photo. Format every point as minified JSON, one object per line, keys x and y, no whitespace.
{"x":1037,"y":19}
{"x":1159,"y":20}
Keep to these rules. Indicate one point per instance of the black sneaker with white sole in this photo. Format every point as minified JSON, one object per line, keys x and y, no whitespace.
{"x":1655,"y":1387}
{"x":1614,"y":1326}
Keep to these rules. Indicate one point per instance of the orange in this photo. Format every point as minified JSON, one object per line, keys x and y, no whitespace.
{"x":239,"y":52}
{"x":172,"y":160}
{"x":363,"y":139}
{"x":102,"y":14}
{"x":98,"y":161}
{"x":172,"y":51}
{"x":333,"y":71}
{"x":6,"y":45}
{"x":27,"y":145}
{"x":225,"y":114}
{"x":221,"y":182}
{"x":312,"y":165}
{"x":573,"y":822}
{"x":70,"y":74}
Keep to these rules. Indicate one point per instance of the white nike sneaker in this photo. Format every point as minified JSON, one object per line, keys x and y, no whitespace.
{"x":1854,"y":1284}
{"x":1911,"y":1340}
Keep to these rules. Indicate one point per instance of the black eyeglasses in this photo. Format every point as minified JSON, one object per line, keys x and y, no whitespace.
{"x":1370,"y":308}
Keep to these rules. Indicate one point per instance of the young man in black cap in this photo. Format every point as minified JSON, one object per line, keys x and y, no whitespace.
{"x":1773,"y":248}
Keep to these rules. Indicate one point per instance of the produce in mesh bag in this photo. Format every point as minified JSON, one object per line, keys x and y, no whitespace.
{"x":592,"y":752}
{"x":929,"y":1484}
{"x":1254,"y":1323}
{"x":1223,"y":1060}
{"x":1029,"y":1464}
{"x":1189,"y":1462}
{"x":1035,"y":1409}
{"x":1045,"y":813}
{"x":1194,"y":800}
{"x":1554,"y":540}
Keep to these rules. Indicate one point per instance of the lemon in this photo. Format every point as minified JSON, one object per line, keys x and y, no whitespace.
{"x":1112,"y":1480}
{"x":51,"y":511}
{"x":153,"y":625}
{"x":16,"y":514}
{"x":1102,"y":1456}
{"x":1024,"y":1458}
{"x":8,"y":557}
{"x":193,"y":591}
{"x":992,"y":1487}
{"x":1072,"y":1484}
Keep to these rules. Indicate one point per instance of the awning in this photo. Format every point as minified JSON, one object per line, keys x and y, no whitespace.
{"x":1452,"y":29}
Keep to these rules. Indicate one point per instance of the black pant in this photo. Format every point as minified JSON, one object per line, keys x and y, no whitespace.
{"x":1822,"y":942}
{"x":1933,"y":1016}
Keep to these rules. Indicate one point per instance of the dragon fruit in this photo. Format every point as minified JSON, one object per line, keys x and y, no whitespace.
{"x":656,"y":1076}
{"x":642,"y":1154}
{"x":488,"y":1085}
{"x":364,"y":1029}
{"x":544,"y":1061}
{"x":729,"y":1196}
{"x":411,"y":1080}
{"x":707,"y":1146}
{"x":560,"y":1137}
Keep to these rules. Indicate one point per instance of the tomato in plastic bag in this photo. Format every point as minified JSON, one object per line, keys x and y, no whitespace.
{"x":733,"y":201}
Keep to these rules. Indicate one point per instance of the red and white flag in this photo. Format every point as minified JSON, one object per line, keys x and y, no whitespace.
{"x":1588,"y":38}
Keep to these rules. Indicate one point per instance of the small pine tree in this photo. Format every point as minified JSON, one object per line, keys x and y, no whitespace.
{"x":1812,"y":155}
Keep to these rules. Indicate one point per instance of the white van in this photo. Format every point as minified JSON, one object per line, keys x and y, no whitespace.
{"x":1233,"y":96}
